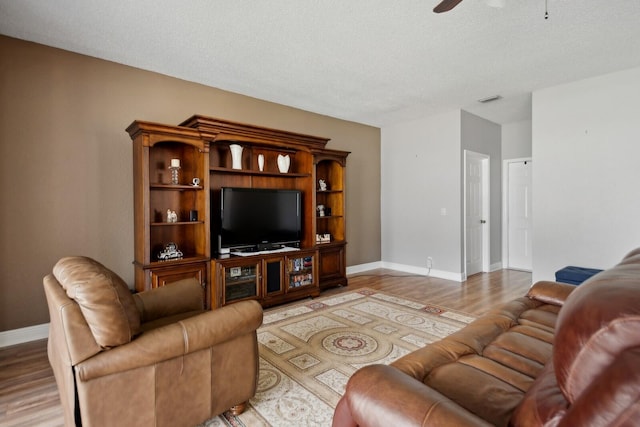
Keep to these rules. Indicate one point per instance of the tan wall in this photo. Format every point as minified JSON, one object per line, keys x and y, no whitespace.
{"x":66,"y":163}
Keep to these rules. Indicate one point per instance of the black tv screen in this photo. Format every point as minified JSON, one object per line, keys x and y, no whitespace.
{"x":259,"y":217}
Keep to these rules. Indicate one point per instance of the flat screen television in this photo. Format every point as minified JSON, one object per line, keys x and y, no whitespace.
{"x":259,"y":219}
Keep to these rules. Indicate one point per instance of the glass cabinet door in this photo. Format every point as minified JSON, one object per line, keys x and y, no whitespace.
{"x":241,"y":282}
{"x":300,"y":271}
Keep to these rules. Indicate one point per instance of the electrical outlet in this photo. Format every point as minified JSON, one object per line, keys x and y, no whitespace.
{"x":429,"y":262}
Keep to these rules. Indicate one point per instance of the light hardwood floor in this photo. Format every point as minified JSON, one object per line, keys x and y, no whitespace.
{"x":28,"y":394}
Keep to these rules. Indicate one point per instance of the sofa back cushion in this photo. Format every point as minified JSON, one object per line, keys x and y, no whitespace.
{"x":104,"y":299}
{"x":598,"y":323}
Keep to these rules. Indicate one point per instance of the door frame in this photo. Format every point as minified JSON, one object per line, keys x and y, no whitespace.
{"x":486,"y":212}
{"x":505,"y":206}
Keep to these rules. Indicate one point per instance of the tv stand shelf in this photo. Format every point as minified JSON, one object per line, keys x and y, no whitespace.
{"x":257,"y":251}
{"x":271,"y":278}
{"x":202,"y":147}
{"x":172,"y":224}
{"x":175,"y":187}
{"x":184,"y":259}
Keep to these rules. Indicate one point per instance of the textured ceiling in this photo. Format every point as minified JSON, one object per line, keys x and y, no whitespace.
{"x":376,"y":62}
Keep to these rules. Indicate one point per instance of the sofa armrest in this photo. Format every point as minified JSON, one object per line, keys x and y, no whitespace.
{"x":187,"y":336}
{"x":174,"y":298}
{"x":381,"y":395}
{"x":548,"y":292}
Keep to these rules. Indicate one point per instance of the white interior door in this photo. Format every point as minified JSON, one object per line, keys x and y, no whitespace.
{"x":476,"y":212}
{"x":519,"y":224}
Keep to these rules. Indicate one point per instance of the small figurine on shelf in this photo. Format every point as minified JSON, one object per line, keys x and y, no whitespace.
{"x":320,"y":209}
{"x":172,"y":216}
{"x":170,"y":252}
{"x":323,"y":185}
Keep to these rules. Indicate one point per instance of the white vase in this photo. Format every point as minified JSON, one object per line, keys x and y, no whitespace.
{"x":236,"y":156}
{"x":283,"y":163}
{"x":261,"y":162}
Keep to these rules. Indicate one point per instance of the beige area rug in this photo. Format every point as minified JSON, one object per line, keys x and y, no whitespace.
{"x":309,"y":350}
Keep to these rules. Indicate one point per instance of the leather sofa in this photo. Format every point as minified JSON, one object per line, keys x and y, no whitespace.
{"x":154,"y":358}
{"x":560,"y":356}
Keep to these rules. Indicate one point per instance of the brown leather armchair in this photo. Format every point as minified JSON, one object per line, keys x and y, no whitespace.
{"x":155,"y":358}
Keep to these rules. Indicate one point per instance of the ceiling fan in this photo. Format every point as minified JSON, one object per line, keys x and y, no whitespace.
{"x":446,"y":5}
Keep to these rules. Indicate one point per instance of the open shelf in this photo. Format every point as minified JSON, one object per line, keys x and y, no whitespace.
{"x":183,"y":260}
{"x":155,"y":148}
{"x":330,"y":168}
{"x":259,"y":173}
{"x":175,"y":187}
{"x":170,"y":224}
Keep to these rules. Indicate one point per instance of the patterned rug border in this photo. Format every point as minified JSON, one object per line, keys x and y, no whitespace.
{"x":317,"y":304}
{"x":290,"y":375}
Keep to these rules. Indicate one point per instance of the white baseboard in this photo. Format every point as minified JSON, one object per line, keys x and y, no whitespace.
{"x":422,"y":271}
{"x":364,"y":267}
{"x":440,"y":274}
{"x":38,"y":332}
{"x":22,"y":335}
{"x":495,"y":267}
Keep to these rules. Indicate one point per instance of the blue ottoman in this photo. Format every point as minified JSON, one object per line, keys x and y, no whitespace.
{"x":575,"y":275}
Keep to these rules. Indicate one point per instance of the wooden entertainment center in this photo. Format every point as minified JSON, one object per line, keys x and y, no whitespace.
{"x":199,"y":151}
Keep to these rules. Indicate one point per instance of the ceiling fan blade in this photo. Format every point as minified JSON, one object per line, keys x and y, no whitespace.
{"x":446,"y":5}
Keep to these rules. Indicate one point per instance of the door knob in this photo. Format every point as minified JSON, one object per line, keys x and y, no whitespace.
{"x":482,"y":221}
